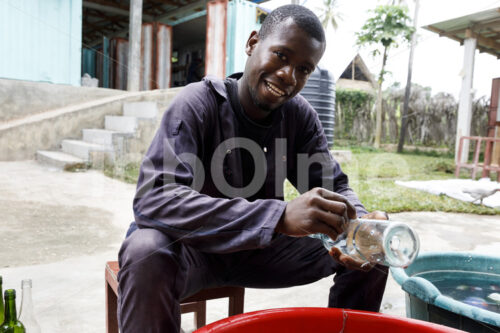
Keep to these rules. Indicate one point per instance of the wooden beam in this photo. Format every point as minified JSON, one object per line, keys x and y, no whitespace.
{"x":469,"y":33}
{"x":442,"y":33}
{"x":119,"y":33}
{"x":117,"y":22}
{"x":107,"y":18}
{"x":495,"y":34}
{"x":109,"y":4}
{"x":188,"y":9}
{"x":94,"y":26}
{"x":104,"y":30}
{"x":475,"y":28}
{"x":485,"y":25}
{"x":166,"y":2}
{"x":134,"y":46}
{"x":99,"y":5}
{"x":489,"y":51}
{"x":193,"y":8}
{"x":455,"y":32}
{"x":488,"y":42}
{"x":482,"y":41}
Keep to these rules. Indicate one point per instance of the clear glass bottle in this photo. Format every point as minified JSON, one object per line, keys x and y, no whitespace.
{"x":382,"y":242}
{"x":10,"y":323}
{"x":26,"y":312}
{"x":1,"y":302}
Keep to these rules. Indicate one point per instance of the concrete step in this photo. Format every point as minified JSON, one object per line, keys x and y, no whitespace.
{"x":140,"y":109}
{"x":101,"y":136}
{"x":60,"y":160}
{"x":82,"y":149}
{"x":124,"y":124}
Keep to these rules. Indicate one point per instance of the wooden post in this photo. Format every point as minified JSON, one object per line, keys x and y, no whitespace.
{"x":465,"y":103}
{"x":134,"y":46}
{"x":494,"y":119}
{"x":215,"y":49}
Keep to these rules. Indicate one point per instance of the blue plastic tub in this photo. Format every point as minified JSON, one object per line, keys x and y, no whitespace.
{"x":425,"y":301}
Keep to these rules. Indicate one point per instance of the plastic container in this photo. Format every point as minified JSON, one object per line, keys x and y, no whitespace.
{"x":319,"y":91}
{"x":425,"y":301}
{"x":319,"y":320}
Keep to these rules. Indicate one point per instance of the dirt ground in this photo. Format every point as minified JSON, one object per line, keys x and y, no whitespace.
{"x":59,"y":228}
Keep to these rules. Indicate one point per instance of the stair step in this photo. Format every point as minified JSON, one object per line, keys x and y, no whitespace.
{"x":124,"y":124}
{"x":140,"y":109}
{"x":82,"y":149}
{"x":59,"y":159}
{"x":101,"y":136}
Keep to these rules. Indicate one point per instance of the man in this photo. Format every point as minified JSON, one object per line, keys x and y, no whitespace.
{"x":209,"y":202}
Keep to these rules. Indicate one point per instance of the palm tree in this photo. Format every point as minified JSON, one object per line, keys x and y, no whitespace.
{"x":329,"y":14}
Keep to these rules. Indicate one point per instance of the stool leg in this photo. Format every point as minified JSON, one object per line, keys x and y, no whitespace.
{"x":236,"y":303}
{"x":111,"y":307}
{"x":200,"y":315}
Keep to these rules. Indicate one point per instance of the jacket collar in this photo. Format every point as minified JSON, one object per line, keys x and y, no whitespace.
{"x":220,"y":88}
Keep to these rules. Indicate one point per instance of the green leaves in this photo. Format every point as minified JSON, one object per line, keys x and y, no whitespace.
{"x":355,"y":99}
{"x":389,"y":26}
{"x":349,"y":103}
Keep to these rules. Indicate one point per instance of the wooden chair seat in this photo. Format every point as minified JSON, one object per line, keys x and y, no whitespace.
{"x":195,"y":303}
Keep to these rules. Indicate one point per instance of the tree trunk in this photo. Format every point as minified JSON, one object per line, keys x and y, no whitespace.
{"x":340,"y":122}
{"x":378,"y":121}
{"x":404,"y":123}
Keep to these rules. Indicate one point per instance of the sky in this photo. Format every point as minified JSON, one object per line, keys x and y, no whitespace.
{"x":438,"y":61}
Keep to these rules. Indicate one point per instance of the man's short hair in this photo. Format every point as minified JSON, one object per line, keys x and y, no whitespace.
{"x":303,"y":17}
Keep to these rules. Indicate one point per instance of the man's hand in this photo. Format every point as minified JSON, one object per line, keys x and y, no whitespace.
{"x":349,"y":262}
{"x":376,"y":215}
{"x":316,"y":211}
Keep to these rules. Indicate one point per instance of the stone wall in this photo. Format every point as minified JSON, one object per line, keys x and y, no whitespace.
{"x":19,"y":99}
{"x":20,"y":139}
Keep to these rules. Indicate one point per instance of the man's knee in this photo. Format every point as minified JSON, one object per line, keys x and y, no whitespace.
{"x":147,"y":247}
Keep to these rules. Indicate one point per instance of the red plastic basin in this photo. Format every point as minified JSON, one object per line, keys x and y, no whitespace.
{"x":319,"y":320}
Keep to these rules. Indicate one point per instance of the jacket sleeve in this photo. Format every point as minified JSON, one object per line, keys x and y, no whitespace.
{"x":314,"y":162}
{"x":171,"y":175}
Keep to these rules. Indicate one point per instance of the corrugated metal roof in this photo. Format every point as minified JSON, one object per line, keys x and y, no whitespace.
{"x":111,"y":17}
{"x":484,"y":26}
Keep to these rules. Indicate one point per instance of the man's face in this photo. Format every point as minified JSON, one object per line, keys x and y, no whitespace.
{"x":278,"y":66}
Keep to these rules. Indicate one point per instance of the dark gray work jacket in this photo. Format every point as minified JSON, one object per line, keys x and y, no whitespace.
{"x":190,"y":182}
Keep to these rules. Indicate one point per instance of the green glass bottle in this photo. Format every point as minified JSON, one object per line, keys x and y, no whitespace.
{"x":1,"y":301}
{"x":11,"y":324}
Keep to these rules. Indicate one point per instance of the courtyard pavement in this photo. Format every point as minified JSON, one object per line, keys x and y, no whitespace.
{"x":59,"y":228}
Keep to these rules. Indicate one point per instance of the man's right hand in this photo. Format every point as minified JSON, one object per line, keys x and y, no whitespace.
{"x":316,"y":211}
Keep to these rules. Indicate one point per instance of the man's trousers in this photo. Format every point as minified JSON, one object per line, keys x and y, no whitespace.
{"x":156,"y":272}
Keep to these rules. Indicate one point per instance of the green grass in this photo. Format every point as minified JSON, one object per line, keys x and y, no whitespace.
{"x":372,"y":174}
{"x":127,"y":173}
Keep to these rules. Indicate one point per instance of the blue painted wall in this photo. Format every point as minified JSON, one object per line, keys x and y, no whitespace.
{"x":241,"y":21}
{"x":41,"y":40}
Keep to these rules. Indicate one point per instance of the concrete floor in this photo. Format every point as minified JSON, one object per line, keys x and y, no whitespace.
{"x":60,"y":228}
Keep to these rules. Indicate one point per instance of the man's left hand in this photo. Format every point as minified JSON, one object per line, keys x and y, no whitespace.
{"x":349,"y":262}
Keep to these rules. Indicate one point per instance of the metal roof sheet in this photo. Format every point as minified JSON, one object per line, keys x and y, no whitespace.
{"x":484,"y":26}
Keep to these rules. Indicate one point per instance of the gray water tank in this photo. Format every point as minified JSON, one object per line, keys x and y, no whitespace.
{"x":319,"y":91}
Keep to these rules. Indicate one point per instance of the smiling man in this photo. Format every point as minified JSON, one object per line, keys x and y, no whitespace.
{"x":209,"y":208}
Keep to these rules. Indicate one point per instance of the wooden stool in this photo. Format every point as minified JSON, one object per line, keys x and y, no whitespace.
{"x":195,"y":303}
